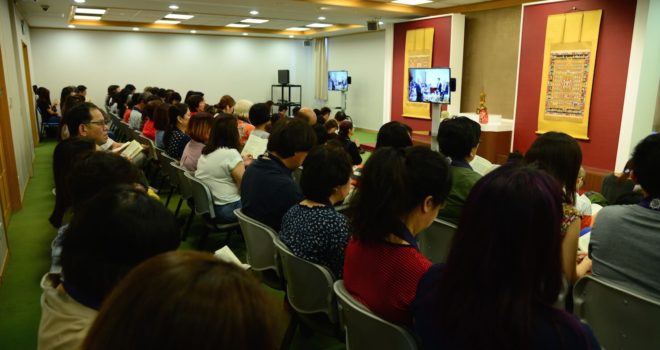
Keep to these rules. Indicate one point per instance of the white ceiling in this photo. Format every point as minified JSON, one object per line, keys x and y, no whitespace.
{"x":211,"y":16}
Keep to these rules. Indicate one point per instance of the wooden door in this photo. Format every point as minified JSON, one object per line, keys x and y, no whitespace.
{"x":30,"y":95}
{"x":10,"y":195}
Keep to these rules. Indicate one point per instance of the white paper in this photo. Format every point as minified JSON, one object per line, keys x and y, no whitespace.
{"x":225,"y":254}
{"x":254,"y":146}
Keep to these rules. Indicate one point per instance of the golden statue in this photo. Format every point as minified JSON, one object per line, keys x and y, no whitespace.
{"x":482,"y":111}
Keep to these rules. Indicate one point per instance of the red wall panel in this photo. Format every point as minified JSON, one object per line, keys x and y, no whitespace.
{"x":441,"y":44}
{"x":609,"y":83}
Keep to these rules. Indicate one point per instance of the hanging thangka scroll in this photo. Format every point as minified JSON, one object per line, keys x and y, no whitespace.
{"x":418,"y":54}
{"x":568,"y":69}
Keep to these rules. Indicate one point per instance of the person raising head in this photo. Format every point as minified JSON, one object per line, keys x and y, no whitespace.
{"x":313,"y":229}
{"x":560,"y":156}
{"x":175,"y":138}
{"x":267,"y":188}
{"x":400,"y":193}
{"x":176,"y":294}
{"x":502,"y":275}
{"x":458,"y":138}
{"x":221,"y":168}
{"x":199,"y":130}
{"x":108,"y":236}
{"x":86,"y":120}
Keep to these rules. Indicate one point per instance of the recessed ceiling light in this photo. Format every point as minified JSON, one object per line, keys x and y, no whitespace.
{"x":178,"y":16}
{"x":291,"y":36}
{"x":88,"y":18}
{"x":79,"y":1}
{"x":71,"y":26}
{"x":411,"y":2}
{"x":89,"y":11}
{"x":254,"y":21}
{"x":321,"y":18}
{"x":297,"y":29}
{"x":174,"y":7}
{"x":319,"y":25}
{"x":193,"y":32}
{"x":254,"y":12}
{"x":245,"y":34}
{"x":136,"y":29}
{"x":237,"y":25}
{"x":166,"y":21}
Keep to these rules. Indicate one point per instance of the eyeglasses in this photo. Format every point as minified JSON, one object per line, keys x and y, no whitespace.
{"x":98,"y":122}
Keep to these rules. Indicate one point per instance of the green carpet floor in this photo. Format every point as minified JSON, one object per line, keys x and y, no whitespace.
{"x":30,"y":235}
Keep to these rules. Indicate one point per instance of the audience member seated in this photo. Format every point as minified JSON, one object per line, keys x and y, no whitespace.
{"x":111,"y":99}
{"x":582,"y":202}
{"x":149,"y":131}
{"x":242,"y":112}
{"x":175,"y":138}
{"x":187,"y":300}
{"x":123,"y":100}
{"x":260,"y":117}
{"x":86,"y":120}
{"x":268,"y":189}
{"x":503,"y":273}
{"x":221,"y":168}
{"x":561,"y":156}
{"x":394,"y":134}
{"x":400,"y":194}
{"x":196,"y":104}
{"x":66,"y":154}
{"x":282,"y":111}
{"x":161,"y":121}
{"x":47,"y":110}
{"x":351,"y":147}
{"x":172,"y":97}
{"x":458,"y":138}
{"x":615,"y":185}
{"x":625,"y":245}
{"x":66,"y":92}
{"x":340,"y":116}
{"x":135,"y":118}
{"x":313,"y":229}
{"x":225,"y":105}
{"x":331,"y":127}
{"x":108,"y":236}
{"x":199,"y":129}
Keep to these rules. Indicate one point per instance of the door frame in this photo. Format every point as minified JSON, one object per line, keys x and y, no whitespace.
{"x":30,"y":94}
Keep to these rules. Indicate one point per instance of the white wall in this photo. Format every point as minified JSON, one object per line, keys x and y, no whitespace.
{"x":243,"y":67}
{"x":363,"y":56}
{"x":11,"y":39}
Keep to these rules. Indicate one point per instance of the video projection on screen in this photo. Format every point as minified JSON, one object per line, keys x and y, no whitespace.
{"x":429,"y":85}
{"x":338,"y":80}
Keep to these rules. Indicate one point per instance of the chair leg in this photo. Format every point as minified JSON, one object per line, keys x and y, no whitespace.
{"x":290,"y":331}
{"x":178,"y":207}
{"x":188,"y":223}
{"x":169,"y":196}
{"x":202,"y":239}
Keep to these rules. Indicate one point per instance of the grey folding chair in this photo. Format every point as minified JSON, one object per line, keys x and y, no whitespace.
{"x":185,"y":190}
{"x":309,"y":291}
{"x":204,"y":207}
{"x":366,"y":331}
{"x":151,"y":152}
{"x":261,"y":252}
{"x":169,"y":173}
{"x":620,"y":318}
{"x":435,"y":241}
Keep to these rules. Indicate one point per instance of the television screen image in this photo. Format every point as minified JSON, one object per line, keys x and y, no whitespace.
{"x":429,"y":85}
{"x":338,"y":80}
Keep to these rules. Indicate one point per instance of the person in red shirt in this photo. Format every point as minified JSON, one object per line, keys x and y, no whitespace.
{"x":400,"y":194}
{"x":149,"y":110}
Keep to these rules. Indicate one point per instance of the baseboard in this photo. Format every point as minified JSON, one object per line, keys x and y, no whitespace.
{"x":369,"y":131}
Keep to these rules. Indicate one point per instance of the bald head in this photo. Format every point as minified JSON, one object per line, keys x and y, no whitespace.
{"x":307,"y":115}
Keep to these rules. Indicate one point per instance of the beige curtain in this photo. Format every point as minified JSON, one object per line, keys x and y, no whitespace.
{"x":321,"y":69}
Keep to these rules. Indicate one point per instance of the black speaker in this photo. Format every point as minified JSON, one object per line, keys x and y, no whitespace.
{"x":349,"y":80}
{"x":372,"y":25}
{"x":452,"y":84}
{"x":283,"y":76}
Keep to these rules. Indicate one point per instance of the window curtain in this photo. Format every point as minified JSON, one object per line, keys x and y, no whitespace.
{"x":321,"y":68}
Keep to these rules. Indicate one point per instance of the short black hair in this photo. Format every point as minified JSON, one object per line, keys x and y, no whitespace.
{"x":325,"y":168}
{"x":325,"y":110}
{"x":77,"y":115}
{"x":81,"y":88}
{"x":193,"y":102}
{"x":98,"y":171}
{"x":111,"y":234}
{"x":283,"y":107}
{"x":295,"y":110}
{"x":394,"y":134}
{"x":259,"y":114}
{"x":646,"y":164}
{"x":290,"y":136}
{"x":457,"y":136}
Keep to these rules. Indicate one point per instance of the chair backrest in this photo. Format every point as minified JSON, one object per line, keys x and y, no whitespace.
{"x":365,"y":330}
{"x":185,"y":187}
{"x":165,"y":163}
{"x":620,"y":319}
{"x":150,"y":143}
{"x":435,"y":241}
{"x":126,"y":131}
{"x":308,"y":285}
{"x":261,"y":253}
{"x":201,"y":196}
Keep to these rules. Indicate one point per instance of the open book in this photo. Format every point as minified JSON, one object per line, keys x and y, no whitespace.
{"x":225,"y":254}
{"x":255,"y":146}
{"x":129,"y":149}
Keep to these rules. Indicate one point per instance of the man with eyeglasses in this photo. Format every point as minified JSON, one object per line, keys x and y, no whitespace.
{"x":87,"y":120}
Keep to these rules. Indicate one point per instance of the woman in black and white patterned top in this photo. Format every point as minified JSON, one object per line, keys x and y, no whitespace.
{"x":175,"y":138}
{"x":313,"y":229}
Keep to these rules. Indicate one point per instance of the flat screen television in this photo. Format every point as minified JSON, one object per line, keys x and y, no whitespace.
{"x":337,"y":80}
{"x":429,"y":85}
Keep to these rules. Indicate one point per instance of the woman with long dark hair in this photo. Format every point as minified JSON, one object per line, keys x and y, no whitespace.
{"x":504,"y":271}
{"x":351,"y":147}
{"x":47,"y":110}
{"x":221,"y":168}
{"x":175,"y":138}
